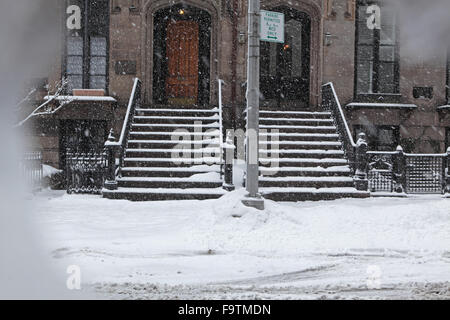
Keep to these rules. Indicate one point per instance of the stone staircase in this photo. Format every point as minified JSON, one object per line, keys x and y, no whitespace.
{"x":308,"y":163}
{"x":173,"y":153}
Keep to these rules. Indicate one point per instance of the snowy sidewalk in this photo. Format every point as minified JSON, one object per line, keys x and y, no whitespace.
{"x":221,"y":249}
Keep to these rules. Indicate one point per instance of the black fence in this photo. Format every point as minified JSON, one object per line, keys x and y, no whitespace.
{"x":408,"y":173}
{"x":31,"y":169}
{"x":393,"y":171}
{"x":85,"y":172}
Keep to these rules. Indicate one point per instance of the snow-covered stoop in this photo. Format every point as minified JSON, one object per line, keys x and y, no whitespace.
{"x":310,"y":164}
{"x":305,"y":163}
{"x":162,"y":165}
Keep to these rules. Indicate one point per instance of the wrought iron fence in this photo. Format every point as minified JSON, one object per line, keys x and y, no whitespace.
{"x":381,"y":171}
{"x":31,"y":169}
{"x":410,"y":173}
{"x":85,"y":172}
{"x":393,"y":171}
{"x":425,"y":173}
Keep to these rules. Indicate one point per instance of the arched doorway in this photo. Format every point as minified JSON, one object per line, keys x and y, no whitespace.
{"x":181,"y":55}
{"x":285,"y":67}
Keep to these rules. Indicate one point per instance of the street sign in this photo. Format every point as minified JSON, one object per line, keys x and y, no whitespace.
{"x":272,"y":26}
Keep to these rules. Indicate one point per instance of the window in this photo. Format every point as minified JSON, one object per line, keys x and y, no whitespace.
{"x":86,"y":63}
{"x":380,"y":138}
{"x":377,"y":58}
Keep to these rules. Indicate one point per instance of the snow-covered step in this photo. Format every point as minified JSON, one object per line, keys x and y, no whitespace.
{"x":175,"y":119}
{"x":209,"y":133}
{"x":212,"y":117}
{"x":305,"y":171}
{"x":168,"y":171}
{"x":155,"y":194}
{"x":302,"y":162}
{"x":294,"y":114}
{"x":264,"y":142}
{"x":325,"y":145}
{"x":173,"y":153}
{"x":305,"y":182}
{"x":182,"y":135}
{"x":300,"y":135}
{"x":295,"y":121}
{"x":202,"y":177}
{"x":204,"y":180}
{"x":312,"y":194}
{"x":193,"y":142}
{"x":303,"y":153}
{"x":199,"y":168}
{"x":296,"y":136}
{"x":170,"y":127}
{"x":169,"y":162}
{"x":165,"y":111}
{"x":297,"y":129}
{"x":161,"y":144}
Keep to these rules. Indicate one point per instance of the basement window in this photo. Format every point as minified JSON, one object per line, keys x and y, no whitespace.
{"x":423,"y":92}
{"x":86,"y":54}
{"x":379,"y":138}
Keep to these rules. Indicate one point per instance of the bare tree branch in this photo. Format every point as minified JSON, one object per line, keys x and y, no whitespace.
{"x":61,"y":85}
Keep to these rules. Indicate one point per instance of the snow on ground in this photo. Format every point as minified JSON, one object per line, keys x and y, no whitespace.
{"x":221,"y":249}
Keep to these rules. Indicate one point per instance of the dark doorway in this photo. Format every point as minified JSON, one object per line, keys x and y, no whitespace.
{"x":181,"y":63}
{"x":285,"y":67}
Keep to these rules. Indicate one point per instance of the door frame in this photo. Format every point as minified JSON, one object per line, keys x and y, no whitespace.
{"x":314,"y":11}
{"x":162,"y":18}
{"x":267,"y":85}
{"x":150,"y":9}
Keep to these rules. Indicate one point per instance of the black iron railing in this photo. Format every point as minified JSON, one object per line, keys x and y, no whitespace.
{"x":356,"y":153}
{"x":331,"y":103}
{"x":85,"y":172}
{"x":31,"y":169}
{"x":387,"y":171}
{"x":119,"y":147}
{"x":408,"y":172}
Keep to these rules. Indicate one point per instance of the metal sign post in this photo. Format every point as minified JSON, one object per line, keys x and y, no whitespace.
{"x":253,"y":199}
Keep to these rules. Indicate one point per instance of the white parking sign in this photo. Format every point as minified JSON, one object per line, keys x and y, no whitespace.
{"x":272,"y":26}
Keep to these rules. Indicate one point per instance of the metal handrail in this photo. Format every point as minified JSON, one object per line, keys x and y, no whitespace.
{"x":133,"y":103}
{"x":222,"y":160}
{"x":331,"y":102}
{"x":341,"y":113}
{"x":221,"y":82}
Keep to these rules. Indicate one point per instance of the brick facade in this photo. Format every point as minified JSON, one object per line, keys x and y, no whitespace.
{"x":332,"y":59}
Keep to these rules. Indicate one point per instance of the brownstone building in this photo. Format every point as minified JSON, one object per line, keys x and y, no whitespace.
{"x":180,"y":48}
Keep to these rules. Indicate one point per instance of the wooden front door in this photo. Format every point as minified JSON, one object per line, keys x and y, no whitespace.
{"x":182,"y":60}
